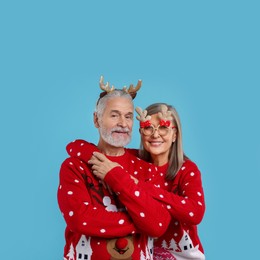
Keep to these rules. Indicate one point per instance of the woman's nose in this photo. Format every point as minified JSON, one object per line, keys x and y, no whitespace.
{"x":156,"y":133}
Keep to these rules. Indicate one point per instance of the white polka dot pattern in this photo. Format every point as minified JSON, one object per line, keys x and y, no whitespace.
{"x":137,"y":193}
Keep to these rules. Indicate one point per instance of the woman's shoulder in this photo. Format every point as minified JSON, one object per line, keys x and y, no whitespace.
{"x":187,"y":172}
{"x":189,"y":163}
{"x":189,"y":166}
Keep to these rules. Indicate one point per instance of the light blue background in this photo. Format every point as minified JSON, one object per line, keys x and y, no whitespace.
{"x":201,"y":56}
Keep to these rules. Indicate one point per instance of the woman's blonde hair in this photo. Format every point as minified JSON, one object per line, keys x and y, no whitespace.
{"x":176,"y":154}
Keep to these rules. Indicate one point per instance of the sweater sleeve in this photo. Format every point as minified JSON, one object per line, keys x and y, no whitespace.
{"x":149,"y":215}
{"x":185,"y":201}
{"x":81,"y":148}
{"x":78,"y":210}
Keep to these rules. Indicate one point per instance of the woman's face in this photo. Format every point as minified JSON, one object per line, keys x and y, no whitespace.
{"x":158,"y":144}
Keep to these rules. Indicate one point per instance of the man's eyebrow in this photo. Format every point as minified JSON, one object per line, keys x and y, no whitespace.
{"x":115,"y":111}
{"x":129,"y":113}
{"x":118,"y":112}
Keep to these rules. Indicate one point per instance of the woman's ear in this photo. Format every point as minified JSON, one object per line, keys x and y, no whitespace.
{"x":174,"y":135}
{"x":95,"y":119}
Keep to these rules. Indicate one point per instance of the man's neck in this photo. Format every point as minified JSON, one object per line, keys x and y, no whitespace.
{"x":110,"y":150}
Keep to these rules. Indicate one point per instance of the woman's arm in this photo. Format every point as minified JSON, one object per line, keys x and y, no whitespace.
{"x":148,"y":214}
{"x":185,"y":201}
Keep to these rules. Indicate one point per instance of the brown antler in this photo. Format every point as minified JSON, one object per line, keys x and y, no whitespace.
{"x":105,"y":87}
{"x":142,"y":115}
{"x":165,"y":114}
{"x":132,"y":90}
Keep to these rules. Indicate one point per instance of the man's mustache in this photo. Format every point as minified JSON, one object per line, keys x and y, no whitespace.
{"x":121,"y":130}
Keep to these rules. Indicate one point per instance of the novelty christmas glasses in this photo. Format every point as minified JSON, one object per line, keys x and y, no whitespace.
{"x":146,"y":127}
{"x":150,"y":130}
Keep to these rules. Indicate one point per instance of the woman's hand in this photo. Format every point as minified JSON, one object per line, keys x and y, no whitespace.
{"x":101,"y":165}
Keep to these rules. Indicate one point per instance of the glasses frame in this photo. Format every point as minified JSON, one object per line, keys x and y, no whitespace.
{"x":156,"y":128}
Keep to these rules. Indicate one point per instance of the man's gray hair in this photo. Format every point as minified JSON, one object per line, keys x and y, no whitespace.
{"x":101,"y":103}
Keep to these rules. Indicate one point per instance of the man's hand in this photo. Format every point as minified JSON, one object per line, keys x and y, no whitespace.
{"x":101,"y":165}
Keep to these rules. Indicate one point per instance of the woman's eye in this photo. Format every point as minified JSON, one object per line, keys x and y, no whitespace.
{"x":163,"y":127}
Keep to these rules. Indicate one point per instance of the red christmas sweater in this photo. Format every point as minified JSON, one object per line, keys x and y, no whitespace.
{"x":184,"y":198}
{"x":98,"y":227}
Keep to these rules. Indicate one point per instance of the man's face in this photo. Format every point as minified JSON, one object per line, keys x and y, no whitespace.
{"x":115,"y":125}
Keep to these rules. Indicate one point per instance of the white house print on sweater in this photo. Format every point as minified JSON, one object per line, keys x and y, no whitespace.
{"x":184,"y":249}
{"x":83,"y":249}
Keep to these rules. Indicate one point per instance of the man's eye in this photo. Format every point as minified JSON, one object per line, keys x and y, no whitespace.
{"x":114,"y":115}
{"x":148,"y":128}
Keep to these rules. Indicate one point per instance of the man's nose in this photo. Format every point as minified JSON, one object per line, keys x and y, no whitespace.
{"x":122,"y":121}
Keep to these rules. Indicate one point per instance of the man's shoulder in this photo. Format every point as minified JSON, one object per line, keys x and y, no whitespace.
{"x":81,"y":149}
{"x":78,"y":144}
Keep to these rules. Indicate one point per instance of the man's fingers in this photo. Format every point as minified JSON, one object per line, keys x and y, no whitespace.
{"x":95,"y":167}
{"x":94,"y":160}
{"x":101,"y":157}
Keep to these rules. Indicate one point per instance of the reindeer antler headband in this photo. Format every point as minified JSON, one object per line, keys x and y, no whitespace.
{"x":132,"y":91}
{"x":143,"y":117}
{"x":165,"y":117}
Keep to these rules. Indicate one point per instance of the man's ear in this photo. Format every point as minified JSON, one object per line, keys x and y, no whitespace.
{"x":95,"y":119}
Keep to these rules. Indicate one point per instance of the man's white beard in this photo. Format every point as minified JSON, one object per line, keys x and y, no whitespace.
{"x":119,"y":140}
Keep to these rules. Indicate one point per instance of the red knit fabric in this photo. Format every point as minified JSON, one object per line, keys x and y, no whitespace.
{"x":95,"y":218}
{"x":184,"y":198}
